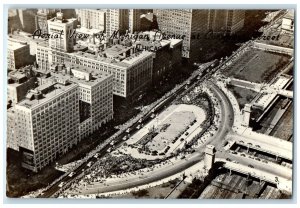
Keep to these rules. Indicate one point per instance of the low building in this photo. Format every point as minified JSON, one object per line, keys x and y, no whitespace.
{"x":288,"y":24}
{"x":19,"y":83}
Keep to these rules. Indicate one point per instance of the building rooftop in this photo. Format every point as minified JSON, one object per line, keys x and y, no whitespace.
{"x":55,"y":91}
{"x":85,"y":30}
{"x":60,"y":19}
{"x":148,"y":16}
{"x":116,"y":50}
{"x":15,"y":45}
{"x":137,"y":56}
{"x":76,"y":73}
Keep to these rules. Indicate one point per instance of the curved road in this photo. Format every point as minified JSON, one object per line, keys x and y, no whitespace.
{"x":149,"y":177}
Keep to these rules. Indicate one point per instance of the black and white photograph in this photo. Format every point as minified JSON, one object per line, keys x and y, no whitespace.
{"x":107,"y":103}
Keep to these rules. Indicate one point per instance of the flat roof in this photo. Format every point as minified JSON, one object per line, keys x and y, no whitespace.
{"x":133,"y":59}
{"x":15,"y":45}
{"x":124,"y":63}
{"x":88,"y":31}
{"x":96,"y":75}
{"x":116,"y":50}
{"x":58,"y":91}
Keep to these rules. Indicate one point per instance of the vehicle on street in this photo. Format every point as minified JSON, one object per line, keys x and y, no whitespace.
{"x":71,"y":174}
{"x":61,"y":184}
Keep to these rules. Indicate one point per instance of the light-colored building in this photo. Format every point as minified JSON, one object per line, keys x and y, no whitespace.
{"x":117,"y":20}
{"x":95,"y":93}
{"x":92,"y":18}
{"x":41,"y":19}
{"x":70,"y":103}
{"x":61,"y":29}
{"x":288,"y":23}
{"x":11,"y":139}
{"x":18,"y":55}
{"x":47,"y":124}
{"x":130,"y":67}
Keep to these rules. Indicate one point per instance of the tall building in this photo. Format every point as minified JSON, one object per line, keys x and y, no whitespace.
{"x":70,"y":103}
{"x":95,"y":93}
{"x":27,"y":19}
{"x":117,"y":20}
{"x":189,"y":22}
{"x":92,"y":18}
{"x":226,"y":21}
{"x":135,"y":19}
{"x":47,"y":124}
{"x":11,"y":138}
{"x":167,"y":54}
{"x":18,"y":54}
{"x":63,"y":28}
{"x":176,"y":22}
{"x":41,"y":18}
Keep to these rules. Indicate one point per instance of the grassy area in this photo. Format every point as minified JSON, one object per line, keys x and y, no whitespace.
{"x":257,"y":66}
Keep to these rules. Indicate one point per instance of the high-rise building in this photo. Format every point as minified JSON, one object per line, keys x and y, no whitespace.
{"x":92,"y":18}
{"x":176,"y":22}
{"x":47,"y":123}
{"x":193,"y":22}
{"x":70,"y":103}
{"x":226,"y":21}
{"x":41,"y":19}
{"x":27,"y":19}
{"x":117,"y":20}
{"x":95,"y":93}
{"x":62,"y":28}
{"x":135,"y":19}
